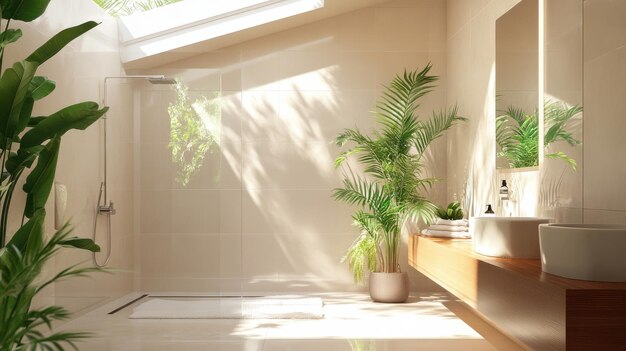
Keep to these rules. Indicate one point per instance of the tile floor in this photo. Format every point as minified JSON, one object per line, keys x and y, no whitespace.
{"x":351,"y":323}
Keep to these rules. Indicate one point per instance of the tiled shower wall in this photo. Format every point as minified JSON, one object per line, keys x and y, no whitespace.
{"x":259,"y":217}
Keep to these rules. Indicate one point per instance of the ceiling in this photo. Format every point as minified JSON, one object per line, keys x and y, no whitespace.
{"x":232,"y":26}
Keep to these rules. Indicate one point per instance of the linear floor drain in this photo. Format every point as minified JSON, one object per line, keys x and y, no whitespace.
{"x":128,"y":304}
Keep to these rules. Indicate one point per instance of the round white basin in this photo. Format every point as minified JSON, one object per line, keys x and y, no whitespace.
{"x":584,"y":251}
{"x":508,"y":237}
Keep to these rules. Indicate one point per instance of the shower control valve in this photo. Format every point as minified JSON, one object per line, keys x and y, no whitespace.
{"x":107,"y":209}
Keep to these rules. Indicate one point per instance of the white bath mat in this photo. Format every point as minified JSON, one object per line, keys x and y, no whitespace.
{"x":276,"y":307}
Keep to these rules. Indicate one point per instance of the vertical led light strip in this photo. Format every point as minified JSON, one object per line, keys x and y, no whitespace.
{"x":540,"y":73}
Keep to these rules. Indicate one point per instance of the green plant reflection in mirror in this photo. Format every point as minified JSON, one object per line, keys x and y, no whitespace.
{"x":362,"y":345}
{"x":195,"y":128}
{"x":517,"y":133}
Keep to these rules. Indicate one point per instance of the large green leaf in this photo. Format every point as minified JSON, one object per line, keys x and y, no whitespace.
{"x":80,"y":243}
{"x":23,"y":10}
{"x":9,"y":36}
{"x":78,"y":116}
{"x":33,"y":228}
{"x":14,"y":86}
{"x":59,"y":41}
{"x":24,"y":117}
{"x":39,"y":182}
{"x":40,"y":87}
{"x":24,"y":158}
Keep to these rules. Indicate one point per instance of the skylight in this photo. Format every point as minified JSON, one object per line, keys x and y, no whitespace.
{"x":128,"y":7}
{"x":184,"y":23}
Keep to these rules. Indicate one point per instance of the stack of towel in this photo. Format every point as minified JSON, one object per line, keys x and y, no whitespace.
{"x":445,"y":228}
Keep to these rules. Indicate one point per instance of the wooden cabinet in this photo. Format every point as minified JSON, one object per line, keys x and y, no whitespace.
{"x":539,"y":310}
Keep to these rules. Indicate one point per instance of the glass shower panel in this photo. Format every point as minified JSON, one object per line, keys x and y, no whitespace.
{"x":561,"y":191}
{"x":189,"y":189}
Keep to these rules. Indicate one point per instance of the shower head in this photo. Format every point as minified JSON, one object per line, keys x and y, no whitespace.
{"x":161,"y":80}
{"x":153,"y":79}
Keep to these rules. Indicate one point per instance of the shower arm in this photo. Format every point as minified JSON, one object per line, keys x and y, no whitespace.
{"x":151,"y":78}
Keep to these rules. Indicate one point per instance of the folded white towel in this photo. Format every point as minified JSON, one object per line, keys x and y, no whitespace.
{"x":456,"y":222}
{"x":446,"y":234}
{"x":450,"y":228}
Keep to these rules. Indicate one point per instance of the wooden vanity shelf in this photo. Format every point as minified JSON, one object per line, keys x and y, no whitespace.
{"x":540,"y":310}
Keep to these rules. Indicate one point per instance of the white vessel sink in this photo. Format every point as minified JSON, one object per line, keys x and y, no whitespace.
{"x":584,"y":251}
{"x":508,"y":237}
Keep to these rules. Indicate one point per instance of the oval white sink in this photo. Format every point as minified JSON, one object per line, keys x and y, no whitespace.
{"x":584,"y":251}
{"x":508,"y":237}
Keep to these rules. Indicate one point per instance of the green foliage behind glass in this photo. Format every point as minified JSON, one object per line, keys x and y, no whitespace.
{"x":128,"y":7}
{"x":195,"y":129}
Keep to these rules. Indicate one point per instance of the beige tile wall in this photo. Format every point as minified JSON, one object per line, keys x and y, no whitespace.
{"x":78,"y":71}
{"x":271,"y":220}
{"x":593,"y":194}
{"x":605,"y":74}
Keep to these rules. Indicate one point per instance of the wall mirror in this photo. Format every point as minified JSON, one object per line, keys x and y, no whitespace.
{"x":517,"y":87}
{"x":524,"y":119}
{"x":539,"y":105}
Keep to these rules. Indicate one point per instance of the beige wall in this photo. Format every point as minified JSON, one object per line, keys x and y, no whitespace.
{"x":604,"y":91}
{"x":594,"y":189}
{"x":270,"y":219}
{"x":78,"y":71}
{"x":471,"y":83}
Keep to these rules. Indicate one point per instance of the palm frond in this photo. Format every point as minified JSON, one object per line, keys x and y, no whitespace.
{"x":362,"y":254}
{"x":561,"y":155}
{"x":517,"y":133}
{"x":21,"y":327}
{"x":435,"y":127}
{"x":358,"y":191}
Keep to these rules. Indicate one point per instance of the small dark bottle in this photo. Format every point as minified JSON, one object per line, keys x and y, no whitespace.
{"x":489,"y":211}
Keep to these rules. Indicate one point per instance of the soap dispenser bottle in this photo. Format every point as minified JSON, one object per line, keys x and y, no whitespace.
{"x":503,"y":208}
{"x":504,"y":191}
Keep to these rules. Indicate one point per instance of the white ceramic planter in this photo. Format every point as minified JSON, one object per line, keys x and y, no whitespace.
{"x":389,"y":287}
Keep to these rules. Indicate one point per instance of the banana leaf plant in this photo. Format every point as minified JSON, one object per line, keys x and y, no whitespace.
{"x":29,"y":146}
{"x":391,"y":189}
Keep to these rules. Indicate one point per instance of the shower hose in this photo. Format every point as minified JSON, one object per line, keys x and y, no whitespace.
{"x":95,"y":230}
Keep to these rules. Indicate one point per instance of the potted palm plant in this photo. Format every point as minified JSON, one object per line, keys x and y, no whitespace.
{"x":390,"y":189}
